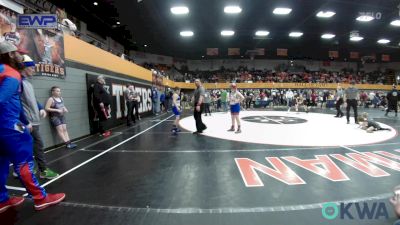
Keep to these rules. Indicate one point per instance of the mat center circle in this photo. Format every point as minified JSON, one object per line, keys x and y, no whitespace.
{"x":274,"y":119}
{"x":289,"y":129}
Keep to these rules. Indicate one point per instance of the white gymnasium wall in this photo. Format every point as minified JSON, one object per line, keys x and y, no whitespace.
{"x":115,"y":46}
{"x":258,"y":64}
{"x":141,"y":57}
{"x":381,"y":66}
{"x":262,"y":64}
{"x":392,"y":65}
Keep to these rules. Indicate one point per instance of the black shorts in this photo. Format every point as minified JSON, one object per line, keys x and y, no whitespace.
{"x":57,"y":120}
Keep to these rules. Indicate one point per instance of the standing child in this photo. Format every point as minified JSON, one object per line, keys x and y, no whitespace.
{"x":56,"y":108}
{"x":235,"y":98}
{"x":207,"y":102}
{"x":176,"y":109}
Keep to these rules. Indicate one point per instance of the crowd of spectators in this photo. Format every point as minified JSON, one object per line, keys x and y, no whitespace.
{"x":258,"y":76}
{"x":242,"y":75}
{"x":261,"y":98}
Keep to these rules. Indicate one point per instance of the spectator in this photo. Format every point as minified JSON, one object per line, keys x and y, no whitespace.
{"x":101,"y":103}
{"x":34,"y":111}
{"x":249,"y":97}
{"x":162,"y":102}
{"x":207,"y":102}
{"x":15,"y":140}
{"x":131,"y":103}
{"x":224,"y":100}
{"x":57,"y":110}
{"x":155,"y":100}
{"x":289,"y":97}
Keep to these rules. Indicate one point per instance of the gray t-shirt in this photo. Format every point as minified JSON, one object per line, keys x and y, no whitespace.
{"x":200,"y":91}
{"x":207,"y":97}
{"x":29,"y":103}
{"x":351,"y":93}
{"x":130,"y":95}
{"x":339,"y":93}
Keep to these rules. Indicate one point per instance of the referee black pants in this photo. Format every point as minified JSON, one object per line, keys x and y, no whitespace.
{"x":392,"y":106}
{"x":200,"y":126}
{"x":351,"y":103}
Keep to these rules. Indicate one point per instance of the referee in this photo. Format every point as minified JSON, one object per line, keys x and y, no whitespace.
{"x":392,"y":97}
{"x":351,"y":97}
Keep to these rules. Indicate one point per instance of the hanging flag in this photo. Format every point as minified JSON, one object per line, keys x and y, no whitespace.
{"x":326,"y":63}
{"x":354,"y":55}
{"x":233,"y":51}
{"x":281,"y":51}
{"x":333,"y":54}
{"x":260,"y":51}
{"x":385,"y":58}
{"x":212,"y":51}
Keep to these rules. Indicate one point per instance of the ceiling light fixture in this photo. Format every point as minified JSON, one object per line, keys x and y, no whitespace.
{"x":282,"y":11}
{"x":364,"y":18}
{"x":227,"y":32}
{"x":383,"y":41}
{"x":328,"y":36}
{"x":186,"y":33}
{"x":295,"y":34}
{"x":356,"y":38}
{"x":395,"y":23}
{"x":325,"y":14}
{"x":232,"y":9}
{"x":262,"y":33}
{"x":179,"y":10}
{"x":95,"y":3}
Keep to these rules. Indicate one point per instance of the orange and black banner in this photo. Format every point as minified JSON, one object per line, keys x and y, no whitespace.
{"x":212,"y":51}
{"x":281,"y":52}
{"x":385,"y":58}
{"x":333,"y":54}
{"x":354,"y":55}
{"x":233,"y":51}
{"x":260,"y":51}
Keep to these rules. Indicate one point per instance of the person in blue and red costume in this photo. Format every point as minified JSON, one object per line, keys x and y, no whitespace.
{"x":15,"y":139}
